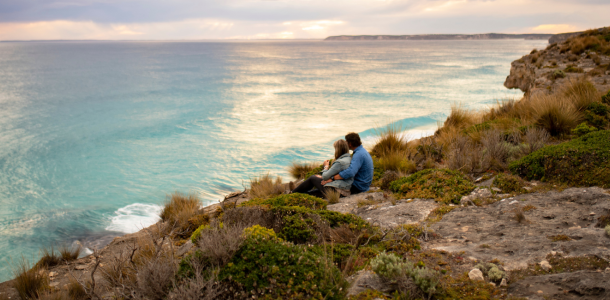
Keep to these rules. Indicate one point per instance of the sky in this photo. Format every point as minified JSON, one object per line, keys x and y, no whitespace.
{"x":288,"y":19}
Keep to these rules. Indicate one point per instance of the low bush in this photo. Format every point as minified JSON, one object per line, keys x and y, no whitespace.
{"x":295,"y":199}
{"x":583,"y":129}
{"x":508,"y":183}
{"x":573,"y":69}
{"x":265,"y":187}
{"x":396,"y":161}
{"x":441,"y":184}
{"x":558,"y":74}
{"x":300,"y":170}
{"x":405,"y":274}
{"x":606,"y":98}
{"x":491,"y":271}
{"x":387,"y":178}
{"x":388,"y":265}
{"x":580,"y":162}
{"x":607,"y":229}
{"x":273,"y":269}
{"x":534,"y":138}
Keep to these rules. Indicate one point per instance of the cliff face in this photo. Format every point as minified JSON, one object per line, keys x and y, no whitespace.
{"x":484,"y":36}
{"x":586,"y":54}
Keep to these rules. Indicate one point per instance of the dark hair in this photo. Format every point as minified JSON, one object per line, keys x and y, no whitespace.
{"x":353,"y":139}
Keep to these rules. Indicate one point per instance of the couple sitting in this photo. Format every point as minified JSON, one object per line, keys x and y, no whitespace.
{"x":348,"y":175}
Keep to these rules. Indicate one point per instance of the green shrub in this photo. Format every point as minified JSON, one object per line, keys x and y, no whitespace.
{"x":573,"y":69}
{"x":599,"y":109}
{"x":583,"y":129}
{"x":388,"y":265}
{"x":274,"y":269}
{"x":443,"y":185}
{"x":607,"y":229}
{"x":580,"y":162}
{"x":197,"y":233}
{"x":508,"y":183}
{"x":258,"y":231}
{"x":606,"y":98}
{"x":295,"y":199}
{"x":558,"y":74}
{"x":492,"y":271}
{"x":424,"y":278}
{"x":300,"y":224}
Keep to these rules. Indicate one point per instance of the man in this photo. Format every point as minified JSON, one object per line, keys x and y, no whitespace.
{"x":361,"y":167}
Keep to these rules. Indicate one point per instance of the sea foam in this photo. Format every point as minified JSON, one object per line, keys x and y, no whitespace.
{"x":134,"y":217}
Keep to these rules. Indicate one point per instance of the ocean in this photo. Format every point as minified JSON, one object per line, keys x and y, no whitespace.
{"x":94,"y":135}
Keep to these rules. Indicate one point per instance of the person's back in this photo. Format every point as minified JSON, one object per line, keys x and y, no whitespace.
{"x":361,"y":167}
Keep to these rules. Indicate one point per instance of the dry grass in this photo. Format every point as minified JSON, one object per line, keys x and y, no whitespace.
{"x":460,"y":117}
{"x":29,"y":283}
{"x":155,"y":276}
{"x":463,"y":155}
{"x":556,"y":114}
{"x":179,"y":209}
{"x":390,"y":140}
{"x":69,"y":253}
{"x":299,"y":170}
{"x":496,"y":151}
{"x":535,"y":139}
{"x":396,"y":161}
{"x":581,"y":93}
{"x":265,"y":187}
{"x":332,"y":195}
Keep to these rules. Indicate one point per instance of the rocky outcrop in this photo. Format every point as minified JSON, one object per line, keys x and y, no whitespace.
{"x":546,"y":70}
{"x":562,"y":37}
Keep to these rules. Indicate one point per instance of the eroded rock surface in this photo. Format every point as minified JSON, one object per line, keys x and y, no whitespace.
{"x":493,"y":231}
{"x":377,"y":209}
{"x":576,"y":285}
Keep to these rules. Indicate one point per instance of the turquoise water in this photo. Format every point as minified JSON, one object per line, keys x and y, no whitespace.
{"x":93,"y":135}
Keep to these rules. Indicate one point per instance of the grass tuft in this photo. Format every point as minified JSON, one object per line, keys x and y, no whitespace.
{"x":299,"y":170}
{"x":30,"y":283}
{"x":265,"y":187}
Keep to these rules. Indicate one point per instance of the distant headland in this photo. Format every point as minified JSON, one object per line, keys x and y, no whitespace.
{"x":483,"y":36}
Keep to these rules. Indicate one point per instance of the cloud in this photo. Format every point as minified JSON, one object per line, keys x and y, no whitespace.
{"x":555,"y":28}
{"x":218,"y":19}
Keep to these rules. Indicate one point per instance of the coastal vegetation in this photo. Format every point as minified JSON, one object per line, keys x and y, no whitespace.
{"x":267,"y":244}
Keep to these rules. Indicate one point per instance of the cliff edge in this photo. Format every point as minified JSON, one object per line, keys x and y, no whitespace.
{"x":587,"y":54}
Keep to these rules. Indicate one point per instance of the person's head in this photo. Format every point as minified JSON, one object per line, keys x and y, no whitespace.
{"x":341,"y":148}
{"x":353,"y":140}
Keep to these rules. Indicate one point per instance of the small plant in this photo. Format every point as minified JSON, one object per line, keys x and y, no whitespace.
{"x":573,"y":69}
{"x":29,"y":283}
{"x":387,"y":265}
{"x":259,"y":232}
{"x":508,"y":183}
{"x":266,"y":187}
{"x":491,"y":270}
{"x":178,"y":209}
{"x":332,"y":195}
{"x":70,"y":253}
{"x":607,"y":229}
{"x":529,"y":207}
{"x":583,"y":129}
{"x":558,"y":74}
{"x":606,"y":98}
{"x":519,"y":216}
{"x":559,"y":238}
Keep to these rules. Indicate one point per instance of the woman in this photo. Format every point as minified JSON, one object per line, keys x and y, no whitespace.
{"x":325,"y":182}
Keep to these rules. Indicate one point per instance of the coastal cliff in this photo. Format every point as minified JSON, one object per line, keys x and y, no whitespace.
{"x":510,"y":202}
{"x":580,"y":54}
{"x":484,"y":36}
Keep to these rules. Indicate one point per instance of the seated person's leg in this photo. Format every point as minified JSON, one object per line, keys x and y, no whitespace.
{"x":353,"y":190}
{"x":306,"y":186}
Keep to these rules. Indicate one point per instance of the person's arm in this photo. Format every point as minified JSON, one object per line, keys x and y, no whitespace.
{"x":334,"y":169}
{"x":354,"y":166}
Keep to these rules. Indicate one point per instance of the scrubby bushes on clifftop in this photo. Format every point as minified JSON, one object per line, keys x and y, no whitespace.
{"x":582,"y":162}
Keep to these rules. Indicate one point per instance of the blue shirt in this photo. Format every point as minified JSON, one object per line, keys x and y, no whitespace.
{"x":361,"y":168}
